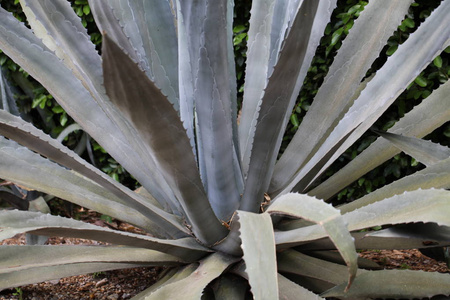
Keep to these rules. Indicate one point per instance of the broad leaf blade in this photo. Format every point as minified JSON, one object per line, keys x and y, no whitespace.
{"x":424,"y":151}
{"x":256,"y":73}
{"x":230,"y":286}
{"x":293,"y":262}
{"x":169,"y":276}
{"x":21,"y":258}
{"x":7,"y":97}
{"x":26,"y":134}
{"x":280,"y":16}
{"x":278,"y":94}
{"x":161,"y":129}
{"x":292,"y":291}
{"x":394,"y":284}
{"x":97,"y":116}
{"x":60,"y":29}
{"x":14,"y":222}
{"x":433,"y":36}
{"x":258,"y":246}
{"x":410,"y":207}
{"x":367,"y":37}
{"x":314,"y":210}
{"x":397,"y":237}
{"x":208,"y":44}
{"x":149,"y":28}
{"x":436,"y":176}
{"x":193,"y":285}
{"x":22,"y":166}
{"x":420,"y":121}
{"x":56,"y":272}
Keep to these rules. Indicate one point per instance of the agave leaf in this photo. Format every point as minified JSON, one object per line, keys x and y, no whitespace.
{"x":424,"y":151}
{"x":258,"y":246}
{"x":290,"y":261}
{"x":207,"y":36}
{"x":14,"y":222}
{"x":276,"y":100}
{"x":335,"y":257}
{"x":418,"y":122}
{"x":394,"y":284}
{"x":396,"y":237}
{"x":22,"y":166}
{"x":417,"y":206}
{"x":410,"y":207}
{"x":230,"y":286}
{"x":26,"y":134}
{"x":256,"y":72}
{"x":7,"y":100}
{"x":22,"y":258}
{"x":158,"y":123}
{"x":335,"y":95}
{"x":232,"y":242}
{"x":55,"y":272}
{"x":13,"y":200}
{"x":328,"y":217}
{"x":107,"y":21}
{"x":436,"y":176}
{"x":157,"y":27}
{"x":186,"y":79}
{"x":97,"y":116}
{"x":413,"y":236}
{"x":271,"y":22}
{"x":193,"y":285}
{"x":167,"y":277}
{"x":291,"y":291}
{"x":154,"y":43}
{"x":60,"y":29}
{"x":433,"y":36}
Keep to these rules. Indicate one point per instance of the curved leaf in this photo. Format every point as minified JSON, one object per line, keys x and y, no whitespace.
{"x":28,"y":135}
{"x":97,"y":116}
{"x":410,"y":207}
{"x":230,"y":286}
{"x":148,"y":29}
{"x":256,"y":73}
{"x":56,"y":272}
{"x":167,"y":277}
{"x":328,"y":217}
{"x":276,"y":101}
{"x":436,"y":176}
{"x":22,"y":258}
{"x":14,"y":222}
{"x":424,"y":151}
{"x":22,"y":166}
{"x":420,"y":121}
{"x":433,"y":36}
{"x":370,"y":31}
{"x":258,"y":246}
{"x":292,"y":291}
{"x":397,"y":237}
{"x":60,"y":29}
{"x":193,"y":285}
{"x":394,"y":284}
{"x":159,"y":125}
{"x":206,"y":28}
{"x":293,"y":262}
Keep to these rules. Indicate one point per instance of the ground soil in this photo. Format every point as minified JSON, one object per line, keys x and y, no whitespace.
{"x":124,"y":284}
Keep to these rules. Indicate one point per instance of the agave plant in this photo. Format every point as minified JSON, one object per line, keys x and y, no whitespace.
{"x":227,"y":218}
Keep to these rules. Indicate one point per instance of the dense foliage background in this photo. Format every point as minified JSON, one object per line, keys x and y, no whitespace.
{"x":38,"y":106}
